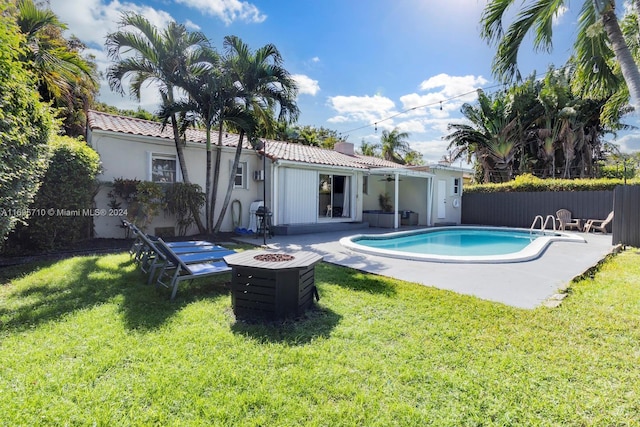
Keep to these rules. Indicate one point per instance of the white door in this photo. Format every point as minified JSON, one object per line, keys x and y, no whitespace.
{"x":442,"y":198}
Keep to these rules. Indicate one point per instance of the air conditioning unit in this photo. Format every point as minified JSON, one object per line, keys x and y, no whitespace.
{"x":258,"y":175}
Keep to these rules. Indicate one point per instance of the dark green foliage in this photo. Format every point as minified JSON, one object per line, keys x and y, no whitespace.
{"x":142,"y":200}
{"x":183,"y":199}
{"x":530,"y":183}
{"x":25,"y":125}
{"x":63,"y":207}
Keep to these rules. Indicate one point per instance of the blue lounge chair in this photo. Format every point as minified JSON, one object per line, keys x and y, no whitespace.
{"x":170,"y":277}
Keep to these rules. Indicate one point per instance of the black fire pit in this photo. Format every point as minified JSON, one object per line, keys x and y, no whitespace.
{"x":272,"y":284}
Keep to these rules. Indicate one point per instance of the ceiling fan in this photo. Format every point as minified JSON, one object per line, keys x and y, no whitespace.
{"x":389,"y":178}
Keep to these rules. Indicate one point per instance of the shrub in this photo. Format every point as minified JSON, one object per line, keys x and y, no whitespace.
{"x":529,"y":183}
{"x":182,"y":200}
{"x":142,"y":200}
{"x":63,"y":205}
{"x":25,"y":127}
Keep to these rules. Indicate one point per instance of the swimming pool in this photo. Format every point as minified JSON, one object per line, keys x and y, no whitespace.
{"x":459,"y":244}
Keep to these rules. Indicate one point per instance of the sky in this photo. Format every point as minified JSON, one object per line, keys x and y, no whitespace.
{"x":359,"y":64}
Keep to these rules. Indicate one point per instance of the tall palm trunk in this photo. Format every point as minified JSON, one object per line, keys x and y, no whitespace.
{"x":207,"y":184}
{"x":183,"y":169}
{"x":231,"y":182}
{"x":216,"y":177}
{"x":628,"y":66}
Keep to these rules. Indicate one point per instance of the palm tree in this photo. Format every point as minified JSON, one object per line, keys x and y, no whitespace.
{"x":369,"y":149}
{"x":205,"y":89}
{"x":394,"y":145}
{"x":63,"y":76}
{"x":594,"y":49}
{"x":159,"y":57}
{"x":491,"y":137}
{"x":153,"y":56}
{"x":263,"y":85}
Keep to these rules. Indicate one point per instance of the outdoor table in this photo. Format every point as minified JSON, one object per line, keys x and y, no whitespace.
{"x":272,"y":284}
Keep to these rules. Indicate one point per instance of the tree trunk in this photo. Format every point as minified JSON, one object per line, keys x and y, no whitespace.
{"x":628,"y":66}
{"x":207,"y":184}
{"x":230,"y":184}
{"x":183,"y":168}
{"x":216,"y":177}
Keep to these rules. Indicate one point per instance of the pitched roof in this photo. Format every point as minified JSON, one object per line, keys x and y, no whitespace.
{"x":276,"y":150}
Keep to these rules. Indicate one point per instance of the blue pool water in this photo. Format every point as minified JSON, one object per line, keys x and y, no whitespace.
{"x":459,"y":244}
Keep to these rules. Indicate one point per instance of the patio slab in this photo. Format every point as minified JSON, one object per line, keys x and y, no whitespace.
{"x":521,"y":284}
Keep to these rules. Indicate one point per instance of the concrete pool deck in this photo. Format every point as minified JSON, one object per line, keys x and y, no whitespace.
{"x":525,"y":284}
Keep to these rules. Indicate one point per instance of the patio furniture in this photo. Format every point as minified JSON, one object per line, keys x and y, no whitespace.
{"x":153,"y":256}
{"x":272,"y":285}
{"x":566,"y":220}
{"x":598,"y":224}
{"x":176,"y":270}
{"x":264,"y":222}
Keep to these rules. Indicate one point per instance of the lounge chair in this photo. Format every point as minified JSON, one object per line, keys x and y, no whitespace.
{"x":152,"y":256}
{"x":598,"y":224}
{"x":162,"y":260}
{"x":171,"y":277}
{"x":566,"y":222}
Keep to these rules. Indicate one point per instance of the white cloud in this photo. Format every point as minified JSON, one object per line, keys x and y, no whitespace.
{"x":227,"y":10}
{"x":628,"y":143}
{"x":432,"y":150}
{"x":557,"y":18}
{"x":361,"y":108}
{"x":92,"y":20}
{"x":315,"y":59}
{"x":306,"y":85}
{"x":192,"y":25}
{"x":454,"y":86}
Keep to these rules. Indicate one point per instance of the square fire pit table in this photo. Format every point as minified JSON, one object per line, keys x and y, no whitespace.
{"x":272,"y":284}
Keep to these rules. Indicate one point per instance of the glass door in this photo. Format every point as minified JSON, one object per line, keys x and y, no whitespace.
{"x":334,"y":196}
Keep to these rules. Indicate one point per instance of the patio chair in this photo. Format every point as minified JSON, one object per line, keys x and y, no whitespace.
{"x":565,"y":220}
{"x":171,"y":278}
{"x":162,"y":258}
{"x":150,"y":257}
{"x":598,"y":224}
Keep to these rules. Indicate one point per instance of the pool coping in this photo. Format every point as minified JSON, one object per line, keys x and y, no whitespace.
{"x":526,"y":284}
{"x":532,"y":251}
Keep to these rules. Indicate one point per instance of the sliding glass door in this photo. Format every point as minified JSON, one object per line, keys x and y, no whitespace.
{"x":334,"y":196}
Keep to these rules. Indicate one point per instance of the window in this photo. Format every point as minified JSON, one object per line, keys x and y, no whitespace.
{"x":163,"y":168}
{"x":365,"y":185}
{"x":240,"y":178}
{"x":457,"y":182}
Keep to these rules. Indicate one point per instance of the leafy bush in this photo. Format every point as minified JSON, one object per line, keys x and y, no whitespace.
{"x":182,"y":200}
{"x":62,"y":209}
{"x":142,"y":200}
{"x":25,"y":126}
{"x":530,"y":183}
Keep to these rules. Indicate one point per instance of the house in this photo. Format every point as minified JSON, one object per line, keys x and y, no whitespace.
{"x":306,"y":188}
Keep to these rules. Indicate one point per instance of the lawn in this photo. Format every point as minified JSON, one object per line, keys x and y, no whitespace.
{"x":84,"y":342}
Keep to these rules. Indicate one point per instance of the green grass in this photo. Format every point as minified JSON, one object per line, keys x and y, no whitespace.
{"x":83,"y":341}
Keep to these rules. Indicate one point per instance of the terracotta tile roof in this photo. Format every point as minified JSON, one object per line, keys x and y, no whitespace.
{"x":276,"y":150}
{"x":134,"y":126}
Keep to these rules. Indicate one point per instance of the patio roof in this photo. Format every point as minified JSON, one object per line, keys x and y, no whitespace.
{"x":401,"y":171}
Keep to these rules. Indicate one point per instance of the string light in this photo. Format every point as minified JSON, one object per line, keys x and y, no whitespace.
{"x":375,"y":124}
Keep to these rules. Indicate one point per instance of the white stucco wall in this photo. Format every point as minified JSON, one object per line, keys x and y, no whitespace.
{"x":453,"y":202}
{"x":127,"y":156}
